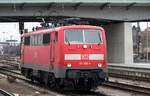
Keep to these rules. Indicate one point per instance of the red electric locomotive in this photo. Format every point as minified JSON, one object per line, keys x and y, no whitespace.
{"x":72,"y":55}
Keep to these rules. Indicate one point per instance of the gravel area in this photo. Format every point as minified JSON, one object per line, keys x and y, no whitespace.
{"x":19,"y":88}
{"x":116,"y":92}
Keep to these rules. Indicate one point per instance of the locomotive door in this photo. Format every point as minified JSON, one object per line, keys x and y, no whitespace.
{"x":52,"y":49}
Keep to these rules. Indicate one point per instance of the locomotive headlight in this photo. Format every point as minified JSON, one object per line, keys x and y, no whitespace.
{"x":99,"y":64}
{"x":84,"y":46}
{"x":69,"y":65}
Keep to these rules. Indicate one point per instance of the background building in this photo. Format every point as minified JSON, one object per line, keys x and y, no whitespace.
{"x":145,"y":41}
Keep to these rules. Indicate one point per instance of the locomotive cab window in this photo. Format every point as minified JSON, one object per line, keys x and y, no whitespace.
{"x":74,"y":36}
{"x":83,"y":36}
{"x":46,"y":38}
{"x":27,"y":40}
{"x":92,"y":36}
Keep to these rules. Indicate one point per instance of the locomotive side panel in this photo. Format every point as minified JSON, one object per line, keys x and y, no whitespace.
{"x":36,"y":53}
{"x":37,"y":57}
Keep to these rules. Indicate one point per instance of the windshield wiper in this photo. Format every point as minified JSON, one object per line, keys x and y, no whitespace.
{"x":67,"y":40}
{"x":99,"y":35}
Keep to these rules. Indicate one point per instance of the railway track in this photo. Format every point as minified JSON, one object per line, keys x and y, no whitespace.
{"x":129,"y":73}
{"x":11,"y":71}
{"x":132,"y":77}
{"x":5,"y":93}
{"x":132,"y":73}
{"x":111,"y":84}
{"x":128,"y":87}
{"x":11,"y":63}
{"x":8,"y":58}
{"x":116,"y":85}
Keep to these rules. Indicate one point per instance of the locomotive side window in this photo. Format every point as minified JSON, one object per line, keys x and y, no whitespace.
{"x":27,"y":40}
{"x":40,"y":39}
{"x":35,"y":40}
{"x":32,"y":40}
{"x":46,"y":38}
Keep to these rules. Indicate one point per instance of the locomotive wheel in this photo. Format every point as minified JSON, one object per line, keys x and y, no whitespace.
{"x":84,"y":84}
{"x":40,"y":80}
{"x":32,"y":79}
{"x":43,"y":76}
{"x":70,"y":84}
{"x":55,"y":84}
{"x":52,"y":82}
{"x":23,"y":71}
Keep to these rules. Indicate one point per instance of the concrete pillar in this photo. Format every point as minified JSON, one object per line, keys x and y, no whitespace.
{"x":128,"y":43}
{"x":119,"y":43}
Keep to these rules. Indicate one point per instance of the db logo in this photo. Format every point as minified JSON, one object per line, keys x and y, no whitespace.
{"x":84,"y":57}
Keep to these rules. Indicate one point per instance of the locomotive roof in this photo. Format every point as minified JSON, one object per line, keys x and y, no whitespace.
{"x":61,"y":28}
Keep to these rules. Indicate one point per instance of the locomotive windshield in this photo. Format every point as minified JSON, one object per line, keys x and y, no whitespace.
{"x":86,"y":36}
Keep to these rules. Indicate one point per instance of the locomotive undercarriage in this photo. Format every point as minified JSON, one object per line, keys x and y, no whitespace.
{"x":86,"y":79}
{"x":75,"y":79}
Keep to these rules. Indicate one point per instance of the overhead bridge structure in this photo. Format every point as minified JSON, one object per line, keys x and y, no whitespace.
{"x":122,"y":10}
{"x":119,"y":35}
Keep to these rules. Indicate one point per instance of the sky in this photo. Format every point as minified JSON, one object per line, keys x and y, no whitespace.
{"x":143,"y":25}
{"x":11,"y":30}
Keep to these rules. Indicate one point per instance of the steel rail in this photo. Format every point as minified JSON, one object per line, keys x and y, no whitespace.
{"x":5,"y":69}
{"x":141,"y":74}
{"x":128,"y":87}
{"x":5,"y":93}
{"x":123,"y":76}
{"x":17,"y":77}
{"x":14,"y":64}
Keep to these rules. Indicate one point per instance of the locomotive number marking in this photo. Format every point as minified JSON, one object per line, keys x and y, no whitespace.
{"x":84,"y":57}
{"x":84,"y":63}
